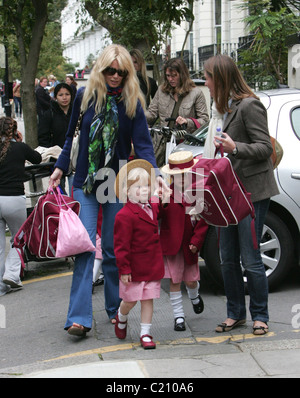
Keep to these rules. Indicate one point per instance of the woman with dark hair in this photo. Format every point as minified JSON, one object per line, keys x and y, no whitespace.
{"x":178,"y":98}
{"x":147,"y":84}
{"x":245,"y":137}
{"x":13,"y":154}
{"x":178,"y":86}
{"x":71,"y":82}
{"x":55,"y":121}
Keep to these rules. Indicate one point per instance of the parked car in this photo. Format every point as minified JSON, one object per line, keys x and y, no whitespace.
{"x":280,"y":244}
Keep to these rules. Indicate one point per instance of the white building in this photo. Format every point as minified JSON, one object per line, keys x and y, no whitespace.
{"x":77,"y":48}
{"x":217,"y":27}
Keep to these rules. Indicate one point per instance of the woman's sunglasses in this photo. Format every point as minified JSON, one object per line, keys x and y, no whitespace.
{"x":112,"y":71}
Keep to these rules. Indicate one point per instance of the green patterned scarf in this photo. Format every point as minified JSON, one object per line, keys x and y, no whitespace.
{"x":103,"y":136}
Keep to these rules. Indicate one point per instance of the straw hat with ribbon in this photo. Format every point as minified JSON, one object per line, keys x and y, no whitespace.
{"x":122,"y":176}
{"x":179,"y":162}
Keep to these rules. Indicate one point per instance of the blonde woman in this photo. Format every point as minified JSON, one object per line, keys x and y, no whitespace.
{"x":113,"y":117}
{"x":147,"y":84}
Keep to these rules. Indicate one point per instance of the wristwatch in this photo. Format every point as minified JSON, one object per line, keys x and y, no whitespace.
{"x":235,"y":151}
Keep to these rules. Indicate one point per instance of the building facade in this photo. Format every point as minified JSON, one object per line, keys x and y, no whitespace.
{"x":78,"y":47}
{"x":218,"y":27}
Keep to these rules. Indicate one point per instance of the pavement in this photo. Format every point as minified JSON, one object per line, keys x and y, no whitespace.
{"x":34,"y":344}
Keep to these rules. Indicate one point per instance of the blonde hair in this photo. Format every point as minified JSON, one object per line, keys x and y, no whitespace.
{"x":96,"y":89}
{"x":135,"y":175}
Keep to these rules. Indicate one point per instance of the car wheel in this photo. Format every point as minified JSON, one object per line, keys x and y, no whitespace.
{"x":276,"y":249}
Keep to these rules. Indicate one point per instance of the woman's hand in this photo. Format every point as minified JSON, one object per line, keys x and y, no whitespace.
{"x":162,"y":190}
{"x":55,"y":178}
{"x":228,"y":143}
{"x":181,"y":120}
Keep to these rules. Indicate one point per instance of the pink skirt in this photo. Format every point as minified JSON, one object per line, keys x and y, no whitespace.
{"x":136,"y":291}
{"x":178,"y":270}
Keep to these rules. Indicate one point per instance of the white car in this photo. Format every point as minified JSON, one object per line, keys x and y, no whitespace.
{"x":280,"y":244}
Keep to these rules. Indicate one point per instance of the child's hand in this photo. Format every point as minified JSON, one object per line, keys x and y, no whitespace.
{"x":126,"y":279}
{"x":193,"y":249}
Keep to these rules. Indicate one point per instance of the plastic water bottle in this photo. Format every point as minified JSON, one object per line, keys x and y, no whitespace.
{"x":218,"y":133}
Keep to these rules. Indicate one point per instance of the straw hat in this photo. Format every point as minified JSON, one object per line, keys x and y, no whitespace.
{"x":124,"y":171}
{"x":179,"y":162}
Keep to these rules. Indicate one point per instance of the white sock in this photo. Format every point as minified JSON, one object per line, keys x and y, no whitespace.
{"x":193,"y":294}
{"x":122,"y":318}
{"x":145,"y":329}
{"x":176,"y":301}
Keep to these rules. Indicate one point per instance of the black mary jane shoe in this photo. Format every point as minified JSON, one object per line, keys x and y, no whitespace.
{"x":179,"y":324}
{"x":198,"y":308}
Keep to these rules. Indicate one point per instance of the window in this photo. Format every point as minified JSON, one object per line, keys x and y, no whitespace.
{"x":218,"y":23}
{"x":295,"y":117}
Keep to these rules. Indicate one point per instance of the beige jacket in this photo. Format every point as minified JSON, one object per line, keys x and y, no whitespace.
{"x":193,"y":105}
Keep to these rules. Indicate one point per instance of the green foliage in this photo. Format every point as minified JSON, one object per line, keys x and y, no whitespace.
{"x":265,"y":61}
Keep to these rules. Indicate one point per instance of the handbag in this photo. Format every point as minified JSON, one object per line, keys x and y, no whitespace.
{"x":75,"y":146}
{"x":277,"y":152}
{"x":218,"y":195}
{"x":72,"y":236}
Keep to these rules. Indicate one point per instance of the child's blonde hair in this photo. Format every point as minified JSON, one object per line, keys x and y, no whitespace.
{"x":135,"y":175}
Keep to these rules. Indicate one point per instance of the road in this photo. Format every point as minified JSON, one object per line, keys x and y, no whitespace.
{"x":34,"y":341}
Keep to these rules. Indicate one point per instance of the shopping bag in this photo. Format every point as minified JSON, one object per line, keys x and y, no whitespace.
{"x":169,"y":147}
{"x":72,"y":237}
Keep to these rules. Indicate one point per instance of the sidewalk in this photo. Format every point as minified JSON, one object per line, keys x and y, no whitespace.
{"x":36,"y":346}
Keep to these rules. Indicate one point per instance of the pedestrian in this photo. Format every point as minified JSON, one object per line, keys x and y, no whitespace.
{"x":13,"y":154}
{"x":247,"y":142}
{"x":53,"y":82}
{"x":113,"y":117}
{"x":147,"y":84}
{"x":71,"y":82}
{"x":54,"y":123}
{"x":137,"y":248}
{"x":43,"y":98}
{"x":181,"y":238}
{"x":17,"y":99}
{"x":177,"y":98}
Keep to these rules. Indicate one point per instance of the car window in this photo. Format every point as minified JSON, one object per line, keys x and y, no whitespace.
{"x":295,"y":117}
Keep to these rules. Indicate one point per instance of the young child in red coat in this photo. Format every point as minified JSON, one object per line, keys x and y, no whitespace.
{"x":181,"y":239}
{"x":137,"y":248}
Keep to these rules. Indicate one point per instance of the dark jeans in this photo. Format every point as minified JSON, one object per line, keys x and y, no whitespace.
{"x":236,"y":245}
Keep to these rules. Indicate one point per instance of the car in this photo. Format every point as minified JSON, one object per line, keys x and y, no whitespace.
{"x":280,"y":243}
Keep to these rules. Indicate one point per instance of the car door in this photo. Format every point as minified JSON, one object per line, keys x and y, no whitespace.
{"x":288,"y":134}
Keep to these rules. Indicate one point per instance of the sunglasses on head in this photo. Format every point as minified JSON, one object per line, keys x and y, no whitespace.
{"x":112,"y":71}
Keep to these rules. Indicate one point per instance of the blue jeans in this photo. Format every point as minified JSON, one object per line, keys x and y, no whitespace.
{"x":236,"y":245}
{"x":80,"y":307}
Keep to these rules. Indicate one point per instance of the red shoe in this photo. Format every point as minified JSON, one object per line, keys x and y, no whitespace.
{"x":147,"y":345}
{"x":120,"y":333}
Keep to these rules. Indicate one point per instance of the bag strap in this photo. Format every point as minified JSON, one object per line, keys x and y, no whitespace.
{"x":78,"y":125}
{"x":175,"y":112}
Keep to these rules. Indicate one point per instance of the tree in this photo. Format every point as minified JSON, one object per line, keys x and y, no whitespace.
{"x":139,"y":23}
{"x":26,"y":20}
{"x":265,"y":61}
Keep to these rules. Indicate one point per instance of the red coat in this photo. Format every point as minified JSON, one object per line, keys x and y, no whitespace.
{"x":136,"y":243}
{"x":178,"y":230}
